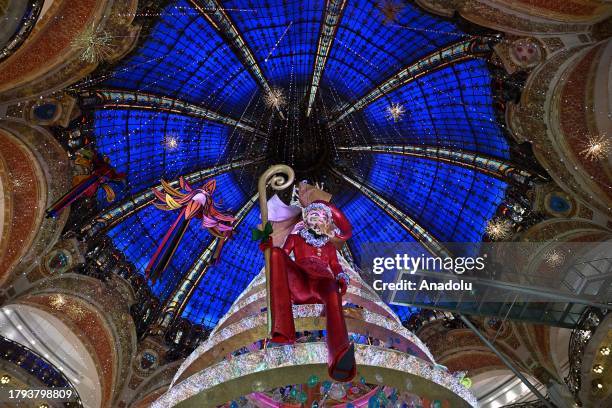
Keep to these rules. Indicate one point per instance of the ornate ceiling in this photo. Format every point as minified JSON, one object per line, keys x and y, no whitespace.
{"x":300,"y":83}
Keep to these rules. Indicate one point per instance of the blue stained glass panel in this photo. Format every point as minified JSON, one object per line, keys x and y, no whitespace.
{"x":283,"y":36}
{"x":134,"y":141}
{"x":241,"y":260}
{"x":451,"y":107}
{"x":185,"y":57}
{"x":370,"y":223}
{"x":454,"y":203}
{"x":369,"y":48}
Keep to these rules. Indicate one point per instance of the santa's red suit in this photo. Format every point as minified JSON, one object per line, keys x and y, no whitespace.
{"x":315,"y":276}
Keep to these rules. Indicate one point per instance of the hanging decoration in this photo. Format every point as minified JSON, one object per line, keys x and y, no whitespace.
{"x":95,"y":45}
{"x":395,"y":112}
{"x":275,"y":98}
{"x":313,"y":241}
{"x":596,"y":148}
{"x":554,"y":258}
{"x":171,"y":142}
{"x":100,"y":175}
{"x":498,"y":229}
{"x":192,"y":203}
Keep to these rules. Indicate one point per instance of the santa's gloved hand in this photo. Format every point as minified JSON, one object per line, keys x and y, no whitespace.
{"x":343,"y":282}
{"x":267,"y":244}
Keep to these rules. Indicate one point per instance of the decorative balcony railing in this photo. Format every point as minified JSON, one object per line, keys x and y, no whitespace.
{"x":29,"y":361}
{"x":579,"y":339}
{"x":23,"y":29}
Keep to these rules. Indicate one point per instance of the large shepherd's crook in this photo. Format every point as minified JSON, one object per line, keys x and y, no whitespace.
{"x":279,"y":177}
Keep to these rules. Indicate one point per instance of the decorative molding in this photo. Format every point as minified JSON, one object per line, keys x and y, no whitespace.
{"x":41,"y":66}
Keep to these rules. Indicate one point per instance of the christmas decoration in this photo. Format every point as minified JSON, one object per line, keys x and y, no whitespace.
{"x":291,"y":281}
{"x":275,"y":370}
{"x":171,"y":142}
{"x":597,"y":148}
{"x":57,"y":301}
{"x":554,"y":258}
{"x":498,"y":229}
{"x":191,"y":203}
{"x":395,"y":112}
{"x":95,"y":45}
{"x":101,"y":174}
{"x":275,"y":98}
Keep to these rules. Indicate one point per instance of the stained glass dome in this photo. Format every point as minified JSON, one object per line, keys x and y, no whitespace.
{"x":354,"y":94}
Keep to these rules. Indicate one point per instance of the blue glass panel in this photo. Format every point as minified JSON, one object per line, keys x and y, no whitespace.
{"x":240,"y":262}
{"x":283,"y":36}
{"x":370,"y":223}
{"x":454,"y":203}
{"x":451,"y":107}
{"x":134,"y":141}
{"x":139,"y":235}
{"x":185,"y":57}
{"x":367,"y":49}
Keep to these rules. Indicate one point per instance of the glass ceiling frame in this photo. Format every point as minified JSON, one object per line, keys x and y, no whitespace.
{"x":118,"y":98}
{"x":501,"y":169}
{"x":329,"y":26}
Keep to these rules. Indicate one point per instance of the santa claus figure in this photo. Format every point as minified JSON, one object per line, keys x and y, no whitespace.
{"x":314,"y":275}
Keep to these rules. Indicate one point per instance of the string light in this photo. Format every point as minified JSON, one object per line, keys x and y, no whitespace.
{"x":597,"y":385}
{"x":278,"y":41}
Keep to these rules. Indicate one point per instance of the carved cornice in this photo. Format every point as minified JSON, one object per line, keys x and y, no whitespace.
{"x":562,"y":229}
{"x":499,"y":15}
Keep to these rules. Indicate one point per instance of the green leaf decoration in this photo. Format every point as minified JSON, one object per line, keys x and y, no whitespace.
{"x":262,"y":235}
